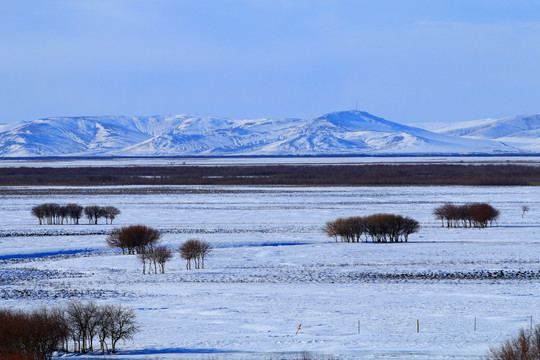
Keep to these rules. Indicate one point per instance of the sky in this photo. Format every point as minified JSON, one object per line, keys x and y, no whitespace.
{"x":408,"y":61}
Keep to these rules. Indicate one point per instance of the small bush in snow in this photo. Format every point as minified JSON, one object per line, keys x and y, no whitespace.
{"x":524,"y":346}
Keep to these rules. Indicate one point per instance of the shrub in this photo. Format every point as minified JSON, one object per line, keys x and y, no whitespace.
{"x":377,"y":227}
{"x":36,"y":335}
{"x":134,"y":238}
{"x":477,"y":214}
{"x":524,"y":346}
{"x":196,"y":250}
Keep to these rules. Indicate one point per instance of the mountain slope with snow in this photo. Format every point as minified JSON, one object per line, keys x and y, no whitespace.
{"x":518,"y":131}
{"x":338,"y":133}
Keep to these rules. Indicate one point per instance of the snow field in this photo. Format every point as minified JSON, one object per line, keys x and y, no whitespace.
{"x":273,"y":269}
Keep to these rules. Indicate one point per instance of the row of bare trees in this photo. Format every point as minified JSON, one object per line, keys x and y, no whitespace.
{"x":478,"y":215}
{"x":38,"y":334}
{"x":377,"y":227}
{"x":142,"y":240}
{"x":94,"y":212}
{"x":55,"y":214}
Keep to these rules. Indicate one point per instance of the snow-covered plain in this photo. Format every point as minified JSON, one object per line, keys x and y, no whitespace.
{"x":273,"y":269}
{"x":261,"y":161}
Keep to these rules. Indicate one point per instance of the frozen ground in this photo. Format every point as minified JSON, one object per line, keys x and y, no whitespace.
{"x":273,"y":269}
{"x":258,"y":161}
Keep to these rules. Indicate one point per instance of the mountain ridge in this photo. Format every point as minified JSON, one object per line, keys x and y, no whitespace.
{"x":335,"y":133}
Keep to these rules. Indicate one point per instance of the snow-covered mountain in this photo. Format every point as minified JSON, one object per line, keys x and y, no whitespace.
{"x":517,"y":131}
{"x":338,"y":133}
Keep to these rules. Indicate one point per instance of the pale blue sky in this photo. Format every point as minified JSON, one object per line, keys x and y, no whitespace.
{"x":405,"y":60}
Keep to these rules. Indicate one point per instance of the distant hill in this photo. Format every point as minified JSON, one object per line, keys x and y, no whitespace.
{"x":337,"y":133}
{"x":522,"y":132}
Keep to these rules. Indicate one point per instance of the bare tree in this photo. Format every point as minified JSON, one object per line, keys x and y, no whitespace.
{"x":524,"y":209}
{"x":110,"y":213}
{"x":103,"y":320}
{"x":46,"y":333}
{"x":75,"y":212}
{"x":134,"y":238}
{"x":468,"y":215}
{"x":196,"y":250}
{"x":93,"y":213}
{"x":524,"y":346}
{"x":188,"y":251}
{"x":122,"y":325}
{"x":114,"y":240}
{"x":144,"y":257}
{"x":39,"y":212}
{"x":333,"y":229}
{"x":83,"y":323}
{"x":482,"y":214}
{"x":378,"y":227}
{"x":410,"y":226}
{"x":204,"y":249}
{"x":51,"y":213}
{"x":36,"y":335}
{"x":162,"y":256}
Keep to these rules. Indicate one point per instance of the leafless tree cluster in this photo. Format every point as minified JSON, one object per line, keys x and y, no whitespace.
{"x":94,"y":212}
{"x":525,"y":346}
{"x":377,"y":227}
{"x":33,"y":335}
{"x":55,"y":214}
{"x":141,"y":240}
{"x":478,"y":215}
{"x":156,"y":258}
{"x":196,"y":250}
{"x":38,"y":334}
{"x":108,"y":324}
{"x":134,"y":239}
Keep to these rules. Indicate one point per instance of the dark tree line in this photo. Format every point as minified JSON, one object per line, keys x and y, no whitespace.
{"x":196,"y":250}
{"x":478,"y":215}
{"x":55,"y":214}
{"x":354,"y":175}
{"x":36,"y":335}
{"x":377,"y":227}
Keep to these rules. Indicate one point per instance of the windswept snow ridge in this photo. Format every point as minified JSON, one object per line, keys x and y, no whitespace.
{"x":338,"y":133}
